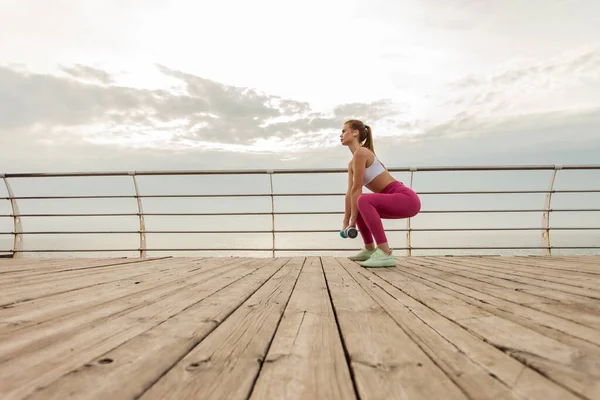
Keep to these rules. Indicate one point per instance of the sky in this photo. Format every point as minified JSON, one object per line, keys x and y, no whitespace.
{"x":103,"y":85}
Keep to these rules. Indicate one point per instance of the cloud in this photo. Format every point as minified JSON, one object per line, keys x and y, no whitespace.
{"x":567,"y":81}
{"x":456,"y":15}
{"x":376,"y":110}
{"x":206,"y":111}
{"x":205,"y":115}
{"x":243,"y":115}
{"x":575,"y":66}
{"x":541,"y":138}
{"x":35,"y":99}
{"x":89,"y":73}
{"x":544,"y":129}
{"x":558,"y":137}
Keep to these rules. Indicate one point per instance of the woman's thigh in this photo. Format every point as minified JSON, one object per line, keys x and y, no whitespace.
{"x":392,"y":205}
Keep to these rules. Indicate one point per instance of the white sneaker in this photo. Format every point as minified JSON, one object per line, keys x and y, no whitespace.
{"x":379,"y":259}
{"x":363,"y":255}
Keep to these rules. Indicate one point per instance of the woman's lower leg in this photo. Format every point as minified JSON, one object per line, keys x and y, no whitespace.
{"x":370,"y":221}
{"x":384,"y":247}
{"x":365,"y":233}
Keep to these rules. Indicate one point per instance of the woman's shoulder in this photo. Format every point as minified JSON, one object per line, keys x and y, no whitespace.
{"x":363,"y":154}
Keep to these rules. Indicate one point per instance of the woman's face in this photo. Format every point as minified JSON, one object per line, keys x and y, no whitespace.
{"x":347,"y":135}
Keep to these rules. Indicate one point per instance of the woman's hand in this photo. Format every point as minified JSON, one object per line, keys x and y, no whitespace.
{"x":352,"y":222}
{"x":348,"y":223}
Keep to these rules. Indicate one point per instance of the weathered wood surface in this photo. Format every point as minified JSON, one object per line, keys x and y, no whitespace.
{"x":300,"y":328}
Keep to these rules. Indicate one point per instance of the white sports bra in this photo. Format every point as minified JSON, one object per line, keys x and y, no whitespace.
{"x":373,"y":170}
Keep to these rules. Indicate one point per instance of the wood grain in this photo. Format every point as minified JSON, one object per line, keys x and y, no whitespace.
{"x":386,"y":362}
{"x":306,"y":359}
{"x":570,"y":366}
{"x":46,"y":359}
{"x":128,"y":370}
{"x":226,"y":363}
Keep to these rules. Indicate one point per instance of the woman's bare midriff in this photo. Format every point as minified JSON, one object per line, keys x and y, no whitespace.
{"x":380,"y":182}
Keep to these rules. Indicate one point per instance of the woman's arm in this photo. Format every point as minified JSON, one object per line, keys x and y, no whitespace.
{"x":348,"y":208}
{"x":359,"y":162}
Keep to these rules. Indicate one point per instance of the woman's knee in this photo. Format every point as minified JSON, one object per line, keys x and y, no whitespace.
{"x":362,"y":201}
{"x":416,"y":206}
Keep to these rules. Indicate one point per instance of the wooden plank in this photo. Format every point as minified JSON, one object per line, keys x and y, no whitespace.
{"x":225,"y":364}
{"x":61,"y":271}
{"x":465,"y":268}
{"x":24,"y":260}
{"x":535,"y":270}
{"x":36,"y":265}
{"x":16,"y":294}
{"x":16,"y":266}
{"x":548,"y":295}
{"x":534,"y":282}
{"x":306,"y":359}
{"x":22,"y":341}
{"x":35,"y":312}
{"x":480,"y":369}
{"x":386,"y":363}
{"x":570,"y":261}
{"x":36,"y":262}
{"x":36,"y":289}
{"x":548,"y":267}
{"x":567,"y":365}
{"x":128,"y":370}
{"x":9,"y":265}
{"x":548,"y":324}
{"x":589,"y":283}
{"x":578,"y":264}
{"x":508,"y":297}
{"x":44,"y":365}
{"x":573,"y":334}
{"x":33,"y":287}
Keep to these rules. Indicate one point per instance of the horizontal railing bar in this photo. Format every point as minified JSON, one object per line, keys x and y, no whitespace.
{"x":458,"y":248}
{"x":509,"y":211}
{"x":134,"y":196}
{"x":136,"y":214}
{"x":299,"y":213}
{"x":513,"y":191}
{"x":157,"y":196}
{"x":303,"y":249}
{"x":301,"y":171}
{"x":70,"y":197}
{"x":300,"y":231}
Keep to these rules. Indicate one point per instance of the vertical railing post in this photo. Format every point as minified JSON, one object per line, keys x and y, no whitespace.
{"x":270,"y":172}
{"x":17,"y":226}
{"x":408,"y":237}
{"x":547,"y":210}
{"x":141,"y":217}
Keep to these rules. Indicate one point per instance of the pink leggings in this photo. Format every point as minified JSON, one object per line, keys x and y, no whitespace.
{"x":394,"y":202}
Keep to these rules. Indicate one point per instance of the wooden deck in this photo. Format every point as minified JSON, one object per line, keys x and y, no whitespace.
{"x":300,"y":328}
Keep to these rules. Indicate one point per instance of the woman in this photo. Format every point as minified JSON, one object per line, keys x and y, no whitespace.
{"x":390,"y":198}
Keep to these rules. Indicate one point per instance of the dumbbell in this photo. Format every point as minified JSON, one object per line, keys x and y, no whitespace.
{"x":350,"y":232}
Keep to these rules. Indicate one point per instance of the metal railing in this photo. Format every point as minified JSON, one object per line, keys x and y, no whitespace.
{"x":545,"y":228}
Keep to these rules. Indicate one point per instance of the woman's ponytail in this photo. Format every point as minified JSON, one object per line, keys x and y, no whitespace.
{"x":369,"y":139}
